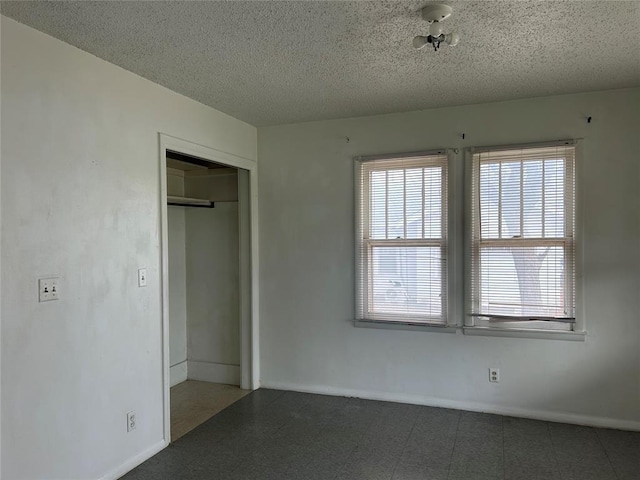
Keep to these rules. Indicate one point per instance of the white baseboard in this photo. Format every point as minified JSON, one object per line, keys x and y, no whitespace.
{"x":135,"y":461}
{"x":546,"y":415}
{"x":178,"y":373}
{"x":213,"y":372}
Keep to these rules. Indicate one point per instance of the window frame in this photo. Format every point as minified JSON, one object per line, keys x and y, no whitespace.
{"x":459,"y":241}
{"x":364,"y":316}
{"x":573,"y":226}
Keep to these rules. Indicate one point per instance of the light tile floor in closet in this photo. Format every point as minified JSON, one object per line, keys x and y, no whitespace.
{"x":193,"y":403}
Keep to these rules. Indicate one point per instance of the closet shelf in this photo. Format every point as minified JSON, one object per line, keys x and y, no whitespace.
{"x":189,"y":202}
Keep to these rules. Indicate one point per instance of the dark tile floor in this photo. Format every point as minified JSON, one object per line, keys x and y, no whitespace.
{"x":271,"y":435}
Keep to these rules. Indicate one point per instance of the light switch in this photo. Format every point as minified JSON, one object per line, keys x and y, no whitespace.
{"x":142,"y":277}
{"x":48,"y":289}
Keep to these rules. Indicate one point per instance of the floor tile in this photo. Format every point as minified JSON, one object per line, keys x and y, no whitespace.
{"x":518,"y":427}
{"x":580,"y":454}
{"x":193,"y":402}
{"x":482,"y":424}
{"x":432,"y":438}
{"x":477,"y":455}
{"x":272,"y":435}
{"x":475,"y":475}
{"x":623,"y":450}
{"x":171,"y":468}
{"x":530,"y":457}
{"x":408,"y":471}
{"x":367,"y":463}
{"x":322,"y":459}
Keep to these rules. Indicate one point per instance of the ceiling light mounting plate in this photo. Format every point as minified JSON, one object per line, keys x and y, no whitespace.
{"x":436,"y":12}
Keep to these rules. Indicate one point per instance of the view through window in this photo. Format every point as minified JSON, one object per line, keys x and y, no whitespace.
{"x":523,"y":248}
{"x":402,"y":239}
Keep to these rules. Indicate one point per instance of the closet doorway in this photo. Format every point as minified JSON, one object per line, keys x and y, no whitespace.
{"x":207,"y":280}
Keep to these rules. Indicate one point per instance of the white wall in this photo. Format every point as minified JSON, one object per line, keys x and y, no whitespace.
{"x":213,"y":308}
{"x":176,"y":250}
{"x":220,"y":185}
{"x":177,"y":294}
{"x":204,"y":316}
{"x":80,"y":199}
{"x":307,"y":267}
{"x":0,"y":252}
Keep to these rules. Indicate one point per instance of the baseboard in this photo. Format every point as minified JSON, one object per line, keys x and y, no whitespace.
{"x":178,"y":373}
{"x":550,"y":416}
{"x":213,"y":372}
{"x":135,"y":461}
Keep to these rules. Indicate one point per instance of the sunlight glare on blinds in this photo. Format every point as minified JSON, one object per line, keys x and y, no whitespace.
{"x":402,"y":220}
{"x":522,"y":233}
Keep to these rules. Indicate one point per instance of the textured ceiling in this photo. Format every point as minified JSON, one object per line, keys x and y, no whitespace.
{"x":268,"y":62}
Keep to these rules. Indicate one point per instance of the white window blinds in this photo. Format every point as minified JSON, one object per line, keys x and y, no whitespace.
{"x":522,"y":237}
{"x":402,"y":233}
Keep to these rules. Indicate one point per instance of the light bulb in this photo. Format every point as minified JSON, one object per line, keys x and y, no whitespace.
{"x":419,"y":42}
{"x":435,"y":29}
{"x":452,"y":39}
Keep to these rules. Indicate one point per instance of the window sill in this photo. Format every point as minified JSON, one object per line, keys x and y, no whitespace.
{"x":522,"y":333}
{"x":390,"y":325}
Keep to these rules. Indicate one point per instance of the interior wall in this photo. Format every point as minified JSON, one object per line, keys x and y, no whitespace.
{"x":0,"y":252}
{"x":213,"y":288}
{"x":220,"y":185}
{"x":176,"y":250}
{"x":307,"y":303}
{"x":81,"y":200}
{"x":177,"y":294}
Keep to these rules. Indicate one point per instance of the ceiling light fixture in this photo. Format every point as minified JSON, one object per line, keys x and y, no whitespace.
{"x":435,"y":14}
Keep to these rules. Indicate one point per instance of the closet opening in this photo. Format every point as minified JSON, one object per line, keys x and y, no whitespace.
{"x":207,"y":288}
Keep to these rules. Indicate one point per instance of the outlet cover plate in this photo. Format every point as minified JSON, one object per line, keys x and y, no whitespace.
{"x":131,"y":420}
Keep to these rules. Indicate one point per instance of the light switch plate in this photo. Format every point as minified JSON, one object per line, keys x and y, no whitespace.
{"x":48,"y":289}
{"x":142,"y":277}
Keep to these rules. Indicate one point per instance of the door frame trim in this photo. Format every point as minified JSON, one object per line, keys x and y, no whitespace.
{"x":249,"y":334}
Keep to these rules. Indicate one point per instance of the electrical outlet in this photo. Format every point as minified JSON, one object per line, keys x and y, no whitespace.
{"x":48,"y":289}
{"x":494,"y":375}
{"x":142,"y":277}
{"x":131,"y":420}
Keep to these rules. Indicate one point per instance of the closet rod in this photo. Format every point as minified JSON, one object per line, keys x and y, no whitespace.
{"x":189,"y":202}
{"x":176,"y":204}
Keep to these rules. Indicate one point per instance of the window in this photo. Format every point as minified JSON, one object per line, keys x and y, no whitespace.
{"x":402,"y":239}
{"x":522,"y":245}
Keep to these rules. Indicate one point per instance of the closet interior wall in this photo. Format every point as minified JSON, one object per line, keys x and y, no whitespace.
{"x":204,"y":314}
